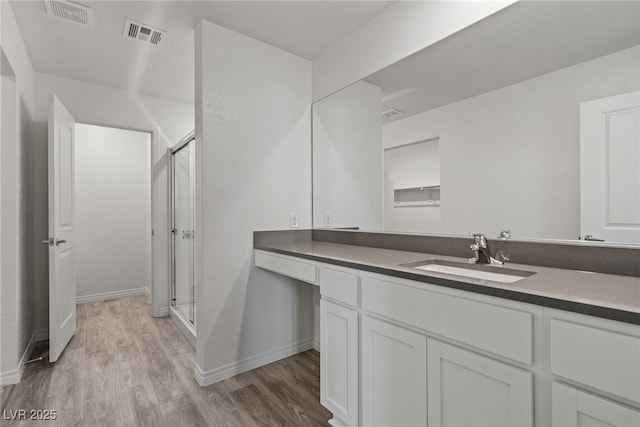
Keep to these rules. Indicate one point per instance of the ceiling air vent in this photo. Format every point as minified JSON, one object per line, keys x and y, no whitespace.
{"x":145,"y":33}
{"x":391,"y":113}
{"x":73,"y":12}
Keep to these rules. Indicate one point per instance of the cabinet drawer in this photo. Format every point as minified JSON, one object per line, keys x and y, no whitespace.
{"x":600,"y":358}
{"x":339,"y":286}
{"x":287,"y":266}
{"x":493,"y":328}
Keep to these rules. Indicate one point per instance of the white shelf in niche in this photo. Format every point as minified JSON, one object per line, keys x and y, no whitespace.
{"x":417,"y":196}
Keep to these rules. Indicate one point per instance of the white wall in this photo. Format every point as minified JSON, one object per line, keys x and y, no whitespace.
{"x":113,"y":211}
{"x":347,"y":161}
{"x":16,"y":219}
{"x":89,"y":103}
{"x":253,"y":127}
{"x":408,"y":166}
{"x":399,"y":31}
{"x":510,"y":157}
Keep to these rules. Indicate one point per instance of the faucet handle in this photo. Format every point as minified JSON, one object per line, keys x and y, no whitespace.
{"x":505,"y":234}
{"x":479,"y":239}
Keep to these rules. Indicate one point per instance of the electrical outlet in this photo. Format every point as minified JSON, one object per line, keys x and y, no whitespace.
{"x":328,"y":219}
{"x":293,"y":220}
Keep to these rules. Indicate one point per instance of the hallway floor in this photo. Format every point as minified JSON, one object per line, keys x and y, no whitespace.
{"x":125,"y":368}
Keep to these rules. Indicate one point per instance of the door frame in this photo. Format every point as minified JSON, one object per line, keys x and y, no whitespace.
{"x":159,"y":308}
{"x":191,"y":136}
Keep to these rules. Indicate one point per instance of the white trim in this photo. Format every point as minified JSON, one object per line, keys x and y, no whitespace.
{"x":335,"y":422}
{"x":41,"y":334}
{"x":80,"y":299}
{"x":162,"y":312}
{"x":148,"y":217}
{"x":147,"y":291}
{"x":160,"y":290}
{"x":186,"y":327}
{"x":235,"y":368}
{"x":15,"y":375}
{"x":316,"y":345}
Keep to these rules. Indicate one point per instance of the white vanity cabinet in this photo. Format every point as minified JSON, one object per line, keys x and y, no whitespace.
{"x":399,"y":352}
{"x":595,"y":365}
{"x":412,"y":377}
{"x":572,"y":407}
{"x":339,"y":343}
{"x":411,"y":380}
{"x":394,"y":375}
{"x":467,"y":389}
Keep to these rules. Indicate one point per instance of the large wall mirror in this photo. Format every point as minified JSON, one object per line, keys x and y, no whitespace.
{"x":525,"y":121}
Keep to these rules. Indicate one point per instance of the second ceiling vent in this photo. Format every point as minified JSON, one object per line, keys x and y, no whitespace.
{"x":144,"y":33}
{"x":68,"y":11}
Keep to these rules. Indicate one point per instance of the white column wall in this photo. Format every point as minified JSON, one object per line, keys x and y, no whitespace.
{"x":253,"y":129}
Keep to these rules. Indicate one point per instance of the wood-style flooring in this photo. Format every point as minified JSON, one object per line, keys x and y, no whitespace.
{"x":125,"y":368}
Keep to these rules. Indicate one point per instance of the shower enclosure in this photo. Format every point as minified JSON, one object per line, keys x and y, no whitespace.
{"x":183,"y":190}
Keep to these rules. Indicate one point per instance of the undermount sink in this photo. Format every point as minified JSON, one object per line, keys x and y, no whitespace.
{"x":472,"y":271}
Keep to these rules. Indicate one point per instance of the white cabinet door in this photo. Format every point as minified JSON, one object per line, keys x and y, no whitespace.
{"x":466,"y":389}
{"x":394,"y":375}
{"x":339,"y":362}
{"x":573,"y":408}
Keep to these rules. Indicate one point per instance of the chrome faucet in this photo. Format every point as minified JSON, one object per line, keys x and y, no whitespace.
{"x":481,"y":253}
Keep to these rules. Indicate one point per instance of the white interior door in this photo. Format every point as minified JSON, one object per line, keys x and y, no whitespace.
{"x":62,"y":272}
{"x":610,"y":168}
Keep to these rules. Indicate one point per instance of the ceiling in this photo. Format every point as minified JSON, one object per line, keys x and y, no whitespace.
{"x":518,"y":43}
{"x":101,"y":55}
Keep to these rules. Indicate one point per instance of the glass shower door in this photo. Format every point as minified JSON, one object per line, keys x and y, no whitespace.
{"x":183,"y":230}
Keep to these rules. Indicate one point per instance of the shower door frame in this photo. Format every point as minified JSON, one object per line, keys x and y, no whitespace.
{"x":184,"y":142}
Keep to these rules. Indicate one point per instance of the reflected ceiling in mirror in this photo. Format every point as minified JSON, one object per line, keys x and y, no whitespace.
{"x":503,"y":97}
{"x":523,"y":41}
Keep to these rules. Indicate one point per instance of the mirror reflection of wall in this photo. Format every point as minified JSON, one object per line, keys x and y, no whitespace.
{"x":412,"y":187}
{"x":347,"y":157}
{"x":510,"y":157}
{"x":503,"y":96}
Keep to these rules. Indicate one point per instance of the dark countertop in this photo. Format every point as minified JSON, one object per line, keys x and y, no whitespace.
{"x":603,"y":295}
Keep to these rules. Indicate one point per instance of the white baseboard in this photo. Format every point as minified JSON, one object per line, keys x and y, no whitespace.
{"x":42,"y":335}
{"x":162,"y":312}
{"x":15,"y":375}
{"x":112,"y":295}
{"x":235,"y":368}
{"x":147,"y":291}
{"x":316,"y":345}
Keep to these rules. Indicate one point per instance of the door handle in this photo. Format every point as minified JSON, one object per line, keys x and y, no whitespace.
{"x":60,"y":242}
{"x":46,"y":242}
